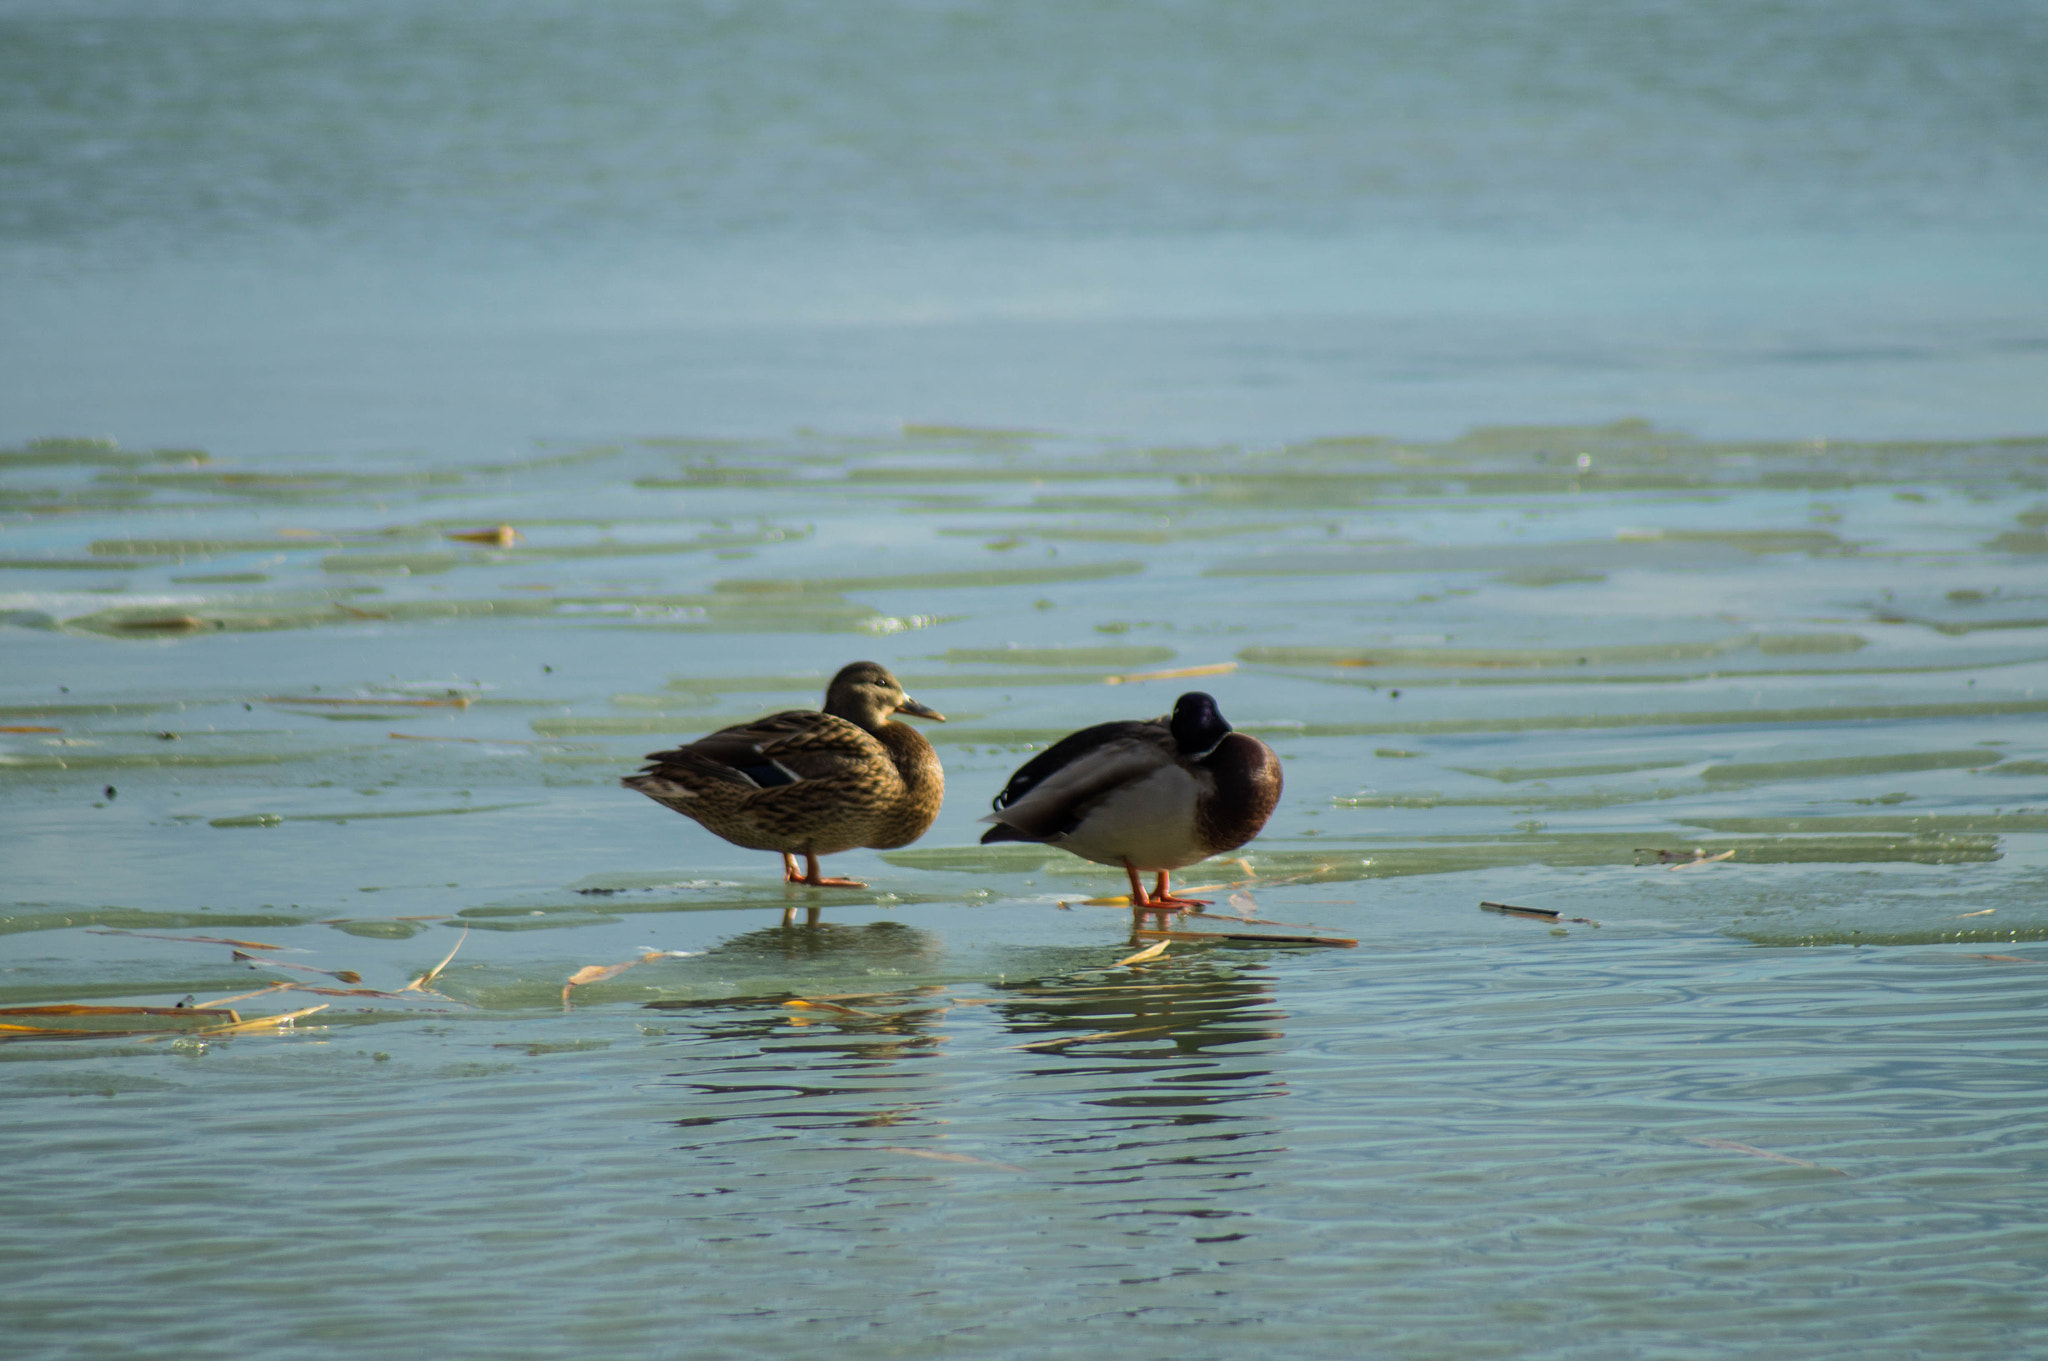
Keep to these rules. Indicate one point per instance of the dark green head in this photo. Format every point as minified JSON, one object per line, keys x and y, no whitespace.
{"x":1197,"y":724}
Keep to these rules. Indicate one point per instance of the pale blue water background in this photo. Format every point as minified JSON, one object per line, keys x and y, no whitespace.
{"x":727,"y":308}
{"x":257,"y":227}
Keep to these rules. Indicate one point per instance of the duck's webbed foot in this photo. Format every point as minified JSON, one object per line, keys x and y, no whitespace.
{"x":809,"y":877}
{"x":1163,"y":896}
{"x":1159,"y":904}
{"x":815,"y":879}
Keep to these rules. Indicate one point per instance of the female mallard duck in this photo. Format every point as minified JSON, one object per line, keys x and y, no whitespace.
{"x":810,"y":783}
{"x":1154,"y":794}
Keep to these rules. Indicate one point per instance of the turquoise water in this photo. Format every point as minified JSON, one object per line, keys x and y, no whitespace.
{"x":1596,"y":445}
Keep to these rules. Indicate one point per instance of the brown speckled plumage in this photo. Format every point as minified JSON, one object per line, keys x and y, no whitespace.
{"x":807,"y":782}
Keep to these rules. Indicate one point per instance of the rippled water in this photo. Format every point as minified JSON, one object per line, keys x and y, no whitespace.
{"x":1593,"y":443}
{"x":1790,"y":1094}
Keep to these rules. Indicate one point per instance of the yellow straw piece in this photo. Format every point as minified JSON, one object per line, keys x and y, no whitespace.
{"x":1098,"y":1035}
{"x":503,"y":536}
{"x":419,"y":984}
{"x":243,"y":1027}
{"x":1215,"y":669}
{"x":262,"y":1022}
{"x":828,"y":1006}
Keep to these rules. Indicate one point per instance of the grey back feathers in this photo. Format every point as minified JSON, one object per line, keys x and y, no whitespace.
{"x":1167,"y":791}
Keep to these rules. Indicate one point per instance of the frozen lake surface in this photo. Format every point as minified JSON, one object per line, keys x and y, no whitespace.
{"x":1599,"y":446}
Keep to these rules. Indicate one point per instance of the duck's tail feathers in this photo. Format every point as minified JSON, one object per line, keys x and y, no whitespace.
{"x":685,"y":768}
{"x":655,"y":787}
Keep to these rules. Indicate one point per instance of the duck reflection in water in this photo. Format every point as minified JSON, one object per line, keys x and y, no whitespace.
{"x":1161,"y":1074}
{"x":841,"y":951}
{"x":805,"y":1054}
{"x":1192,"y":1008}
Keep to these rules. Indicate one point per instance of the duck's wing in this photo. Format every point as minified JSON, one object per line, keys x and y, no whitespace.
{"x":1077,"y":747}
{"x":1050,"y":793}
{"x":781,"y":749}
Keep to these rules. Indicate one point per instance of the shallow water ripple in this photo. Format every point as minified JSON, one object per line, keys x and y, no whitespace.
{"x":1762,"y":725}
{"x":1670,"y":1146}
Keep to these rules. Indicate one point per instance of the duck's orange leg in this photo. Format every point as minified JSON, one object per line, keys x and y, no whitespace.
{"x":1141,"y":905}
{"x":815,"y":879}
{"x":1161,"y":894}
{"x":1160,"y":903}
{"x":809,"y":877}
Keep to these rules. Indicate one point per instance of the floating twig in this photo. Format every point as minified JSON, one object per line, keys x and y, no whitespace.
{"x":1545,"y":914}
{"x":74,"y":1009}
{"x":1247,"y":937}
{"x":1680,"y":859}
{"x":340,"y":975}
{"x":167,"y":623}
{"x":52,"y":1032}
{"x":1249,"y":921}
{"x":196,"y":940}
{"x":245,"y":996}
{"x":1149,"y":952}
{"x":1733,"y":1147}
{"x":420,"y":984}
{"x":1548,"y":914}
{"x":342,"y":992}
{"x":950,"y":1158}
{"x":500,"y":536}
{"x":263,"y":1022}
{"x":1091,"y":1038}
{"x":817,"y":1004}
{"x":598,"y":973}
{"x":247,"y":1027}
{"x":1124,"y":901}
{"x":1214,"y":669}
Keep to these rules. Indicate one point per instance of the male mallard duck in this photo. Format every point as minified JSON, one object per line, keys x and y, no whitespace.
{"x":1152,"y":794}
{"x":810,"y":783}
